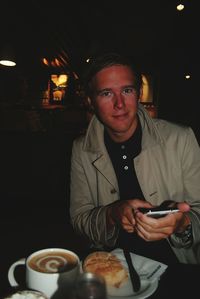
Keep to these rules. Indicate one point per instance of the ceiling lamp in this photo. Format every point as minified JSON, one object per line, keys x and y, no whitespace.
{"x":7,"y":62}
{"x":180,"y":6}
{"x":7,"y":57}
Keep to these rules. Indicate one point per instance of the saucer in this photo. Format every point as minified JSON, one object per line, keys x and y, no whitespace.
{"x":147,"y":288}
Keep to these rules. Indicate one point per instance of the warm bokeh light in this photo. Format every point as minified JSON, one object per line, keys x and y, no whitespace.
{"x":45,"y":61}
{"x":147,"y":89}
{"x":55,"y":62}
{"x":59,"y":80}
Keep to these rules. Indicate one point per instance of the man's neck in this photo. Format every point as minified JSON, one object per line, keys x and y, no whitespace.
{"x":119,"y":137}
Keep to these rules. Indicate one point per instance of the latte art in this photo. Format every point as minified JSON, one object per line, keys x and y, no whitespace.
{"x":53,"y":262}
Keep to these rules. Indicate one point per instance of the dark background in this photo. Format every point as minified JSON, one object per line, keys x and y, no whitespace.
{"x":152,"y":31}
{"x":162,"y":40}
{"x":35,"y":159}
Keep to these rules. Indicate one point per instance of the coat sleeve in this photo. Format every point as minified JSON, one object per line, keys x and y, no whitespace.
{"x":191,"y":177}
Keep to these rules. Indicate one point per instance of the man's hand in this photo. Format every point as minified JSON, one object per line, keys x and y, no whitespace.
{"x":151,"y":229}
{"x":122,"y":213}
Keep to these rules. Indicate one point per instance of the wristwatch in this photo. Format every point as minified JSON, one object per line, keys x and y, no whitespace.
{"x":186,"y":235}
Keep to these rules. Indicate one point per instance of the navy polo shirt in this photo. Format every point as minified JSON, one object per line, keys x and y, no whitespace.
{"x":122,"y":155}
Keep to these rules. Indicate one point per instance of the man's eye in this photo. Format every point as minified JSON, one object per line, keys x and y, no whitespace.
{"x":129,"y":90}
{"x":105,"y":93}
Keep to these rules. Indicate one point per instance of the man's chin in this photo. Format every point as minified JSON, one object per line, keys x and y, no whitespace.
{"x":118,"y":131}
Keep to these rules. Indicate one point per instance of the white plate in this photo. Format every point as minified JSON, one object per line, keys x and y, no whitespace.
{"x":149,"y":271}
{"x":147,"y":289}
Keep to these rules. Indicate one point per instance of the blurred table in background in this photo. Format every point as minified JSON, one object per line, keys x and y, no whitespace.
{"x":42,"y":118}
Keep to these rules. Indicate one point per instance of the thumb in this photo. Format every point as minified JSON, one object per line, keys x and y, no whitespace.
{"x":183,"y":207}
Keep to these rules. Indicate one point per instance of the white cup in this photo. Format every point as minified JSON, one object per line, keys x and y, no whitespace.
{"x":51,"y":271}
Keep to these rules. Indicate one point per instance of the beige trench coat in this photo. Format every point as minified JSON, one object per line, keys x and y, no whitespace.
{"x":168,"y":167}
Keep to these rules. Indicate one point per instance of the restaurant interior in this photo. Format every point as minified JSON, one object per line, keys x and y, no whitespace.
{"x":43,"y":107}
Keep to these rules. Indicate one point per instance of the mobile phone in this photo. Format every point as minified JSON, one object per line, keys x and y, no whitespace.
{"x":158,"y":211}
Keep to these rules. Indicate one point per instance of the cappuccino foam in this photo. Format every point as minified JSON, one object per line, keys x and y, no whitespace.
{"x":53,"y":262}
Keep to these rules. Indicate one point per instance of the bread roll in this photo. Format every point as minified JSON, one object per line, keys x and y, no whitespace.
{"x":107,"y":265}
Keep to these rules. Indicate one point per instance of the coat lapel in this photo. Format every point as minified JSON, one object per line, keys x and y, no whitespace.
{"x":104,"y":165}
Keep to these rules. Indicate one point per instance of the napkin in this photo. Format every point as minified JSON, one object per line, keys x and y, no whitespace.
{"x":147,"y":268}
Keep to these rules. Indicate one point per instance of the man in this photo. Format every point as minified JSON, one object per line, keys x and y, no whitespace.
{"x":128,"y":160}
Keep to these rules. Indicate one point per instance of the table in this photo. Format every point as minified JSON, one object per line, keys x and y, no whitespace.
{"x":179,"y":281}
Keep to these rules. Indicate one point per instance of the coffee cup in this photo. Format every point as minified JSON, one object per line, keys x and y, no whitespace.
{"x":51,"y":271}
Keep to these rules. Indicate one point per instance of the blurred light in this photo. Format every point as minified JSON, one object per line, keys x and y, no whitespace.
{"x":7,"y":62}
{"x":54,"y":62}
{"x":147,"y":90}
{"x":7,"y":55}
{"x":57,"y":62}
{"x":180,"y":7}
{"x":59,"y":80}
{"x":187,"y":77}
{"x":75,"y":75}
{"x":45,"y":61}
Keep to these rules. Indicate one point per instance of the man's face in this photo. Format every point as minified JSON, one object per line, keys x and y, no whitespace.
{"x":115,"y":101}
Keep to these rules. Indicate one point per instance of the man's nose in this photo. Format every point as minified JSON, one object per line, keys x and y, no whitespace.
{"x":118,"y":101}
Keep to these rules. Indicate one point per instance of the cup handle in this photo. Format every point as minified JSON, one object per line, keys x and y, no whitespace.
{"x":11,"y":272}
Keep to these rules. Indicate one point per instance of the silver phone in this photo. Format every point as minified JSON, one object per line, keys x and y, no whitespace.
{"x":158,"y":212}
